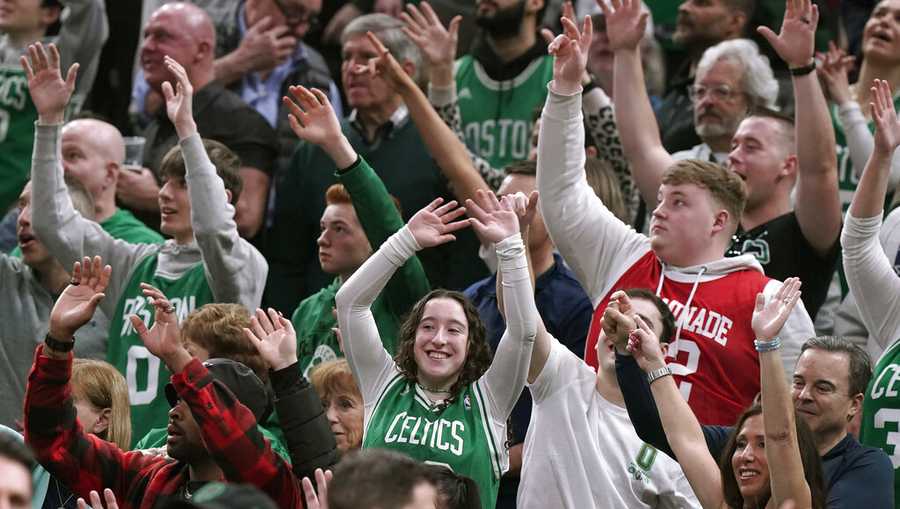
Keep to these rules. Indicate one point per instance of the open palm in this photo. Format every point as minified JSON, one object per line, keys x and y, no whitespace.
{"x":887,"y":132}
{"x":796,"y":42}
{"x":311,"y":116}
{"x":424,"y":28}
{"x":77,"y":303}
{"x":492,"y":219}
{"x":49,"y":91}
{"x":626,"y":23}
{"x":769,"y":317}
{"x":274,"y":338}
{"x":434,"y":225}
{"x":163,"y":338}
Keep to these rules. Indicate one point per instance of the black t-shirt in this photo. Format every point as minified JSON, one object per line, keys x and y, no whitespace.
{"x":783,"y":251}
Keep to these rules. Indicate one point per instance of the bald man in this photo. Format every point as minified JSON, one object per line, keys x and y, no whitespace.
{"x":185,"y":32}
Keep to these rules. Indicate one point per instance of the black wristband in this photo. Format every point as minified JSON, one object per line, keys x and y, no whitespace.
{"x":59,"y":346}
{"x":803,"y":71}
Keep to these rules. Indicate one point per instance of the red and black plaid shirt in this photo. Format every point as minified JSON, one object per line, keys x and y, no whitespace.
{"x":85,"y":462}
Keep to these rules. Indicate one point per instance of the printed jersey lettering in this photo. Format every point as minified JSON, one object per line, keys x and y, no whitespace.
{"x":442,"y":434}
{"x":880,"y":425}
{"x":713,"y":361}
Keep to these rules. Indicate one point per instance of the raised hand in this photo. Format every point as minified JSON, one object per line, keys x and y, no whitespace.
{"x":618,"y":320}
{"x":626,"y":23}
{"x":313,"y":119}
{"x":644,"y":346}
{"x":162,"y":339}
{"x":492,"y":219}
{"x":96,"y":503}
{"x":835,"y":66}
{"x":178,"y":100}
{"x":525,"y":208}
{"x":434,"y":225}
{"x":438,"y":44}
{"x":49,"y":92}
{"x":274,"y":338}
{"x":386,"y":66}
{"x":77,"y":303}
{"x":769,"y":317}
{"x":887,"y":127}
{"x":796,"y":42}
{"x":314,"y":500}
{"x":570,"y":51}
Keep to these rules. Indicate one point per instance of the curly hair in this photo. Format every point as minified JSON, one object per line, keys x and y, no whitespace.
{"x":478,"y":351}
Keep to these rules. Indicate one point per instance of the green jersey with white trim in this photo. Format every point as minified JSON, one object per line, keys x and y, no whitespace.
{"x":145,"y":373}
{"x":17,"y":116}
{"x":881,"y":411}
{"x":497,"y":115}
{"x":460,"y":435}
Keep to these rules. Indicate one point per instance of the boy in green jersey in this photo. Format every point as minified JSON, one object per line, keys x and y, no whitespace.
{"x":205,"y":261}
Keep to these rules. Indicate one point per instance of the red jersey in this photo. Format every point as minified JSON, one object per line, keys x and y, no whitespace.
{"x":714,"y":362}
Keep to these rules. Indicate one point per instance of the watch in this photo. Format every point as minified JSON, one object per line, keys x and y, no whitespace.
{"x":656,"y":374}
{"x":59,"y":346}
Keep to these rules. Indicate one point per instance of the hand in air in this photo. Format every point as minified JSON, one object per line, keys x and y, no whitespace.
{"x":434,"y":225}
{"x":78,"y":302}
{"x":274,"y":338}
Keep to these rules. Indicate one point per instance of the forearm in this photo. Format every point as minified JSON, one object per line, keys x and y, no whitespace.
{"x":449,"y":152}
{"x":868,"y":200}
{"x":640,"y":405}
{"x":870,"y":275}
{"x":236,"y":270}
{"x":303,"y":421}
{"x":637,"y":125}
{"x":230,"y":68}
{"x":782,"y":449}
{"x":686,"y":438}
{"x":818,"y":206}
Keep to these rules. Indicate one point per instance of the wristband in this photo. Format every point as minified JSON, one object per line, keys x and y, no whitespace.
{"x":767,"y":346}
{"x":803,"y":71}
{"x":59,"y":346}
{"x":656,"y":374}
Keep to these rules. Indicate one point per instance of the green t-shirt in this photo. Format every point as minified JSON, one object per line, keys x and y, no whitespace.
{"x":881,"y":411}
{"x":458,"y":436}
{"x":497,"y":115}
{"x":145,"y":374}
{"x":17,"y":117}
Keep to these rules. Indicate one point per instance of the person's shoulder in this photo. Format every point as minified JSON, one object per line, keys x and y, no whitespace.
{"x":481,"y":289}
{"x":866,"y":456}
{"x":316,"y":302}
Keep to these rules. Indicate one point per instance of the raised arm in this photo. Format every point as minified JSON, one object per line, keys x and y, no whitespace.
{"x":228,"y":428}
{"x":370,"y":362}
{"x":496,"y":221}
{"x":869,"y":272}
{"x":81,"y":460}
{"x":625,"y":25}
{"x":443,"y":145}
{"x":306,"y":430}
{"x":438,"y":46}
{"x":313,"y":120}
{"x":782,"y":448}
{"x":817,"y":203}
{"x":235,"y":270}
{"x":679,"y":422}
{"x":591,"y":239}
{"x":66,"y":233}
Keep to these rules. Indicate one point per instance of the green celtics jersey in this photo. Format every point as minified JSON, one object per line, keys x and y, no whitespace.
{"x":881,"y":411}
{"x":17,"y":117}
{"x":459,"y":436}
{"x":847,"y":176}
{"x":145,"y":373}
{"x":497,"y":115}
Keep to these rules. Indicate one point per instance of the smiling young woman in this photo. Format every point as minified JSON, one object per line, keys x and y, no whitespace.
{"x":441,"y":400}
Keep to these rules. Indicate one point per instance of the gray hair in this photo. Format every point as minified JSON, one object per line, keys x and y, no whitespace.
{"x":757,"y":81}
{"x":389,"y":31}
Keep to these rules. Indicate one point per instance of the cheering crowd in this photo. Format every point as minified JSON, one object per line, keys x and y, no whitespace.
{"x":521,"y":253}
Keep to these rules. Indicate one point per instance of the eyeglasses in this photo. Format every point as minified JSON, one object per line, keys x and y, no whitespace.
{"x":297,"y":14}
{"x":722,"y":93}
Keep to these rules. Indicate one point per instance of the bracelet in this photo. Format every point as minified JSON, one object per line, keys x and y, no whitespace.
{"x":59,"y":346}
{"x":803,"y":71}
{"x":656,"y":374}
{"x":767,"y":346}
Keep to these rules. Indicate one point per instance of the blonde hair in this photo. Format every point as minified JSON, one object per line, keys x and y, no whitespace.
{"x":219,"y":329}
{"x":606,"y":186}
{"x":100,"y":384}
{"x":725,"y":186}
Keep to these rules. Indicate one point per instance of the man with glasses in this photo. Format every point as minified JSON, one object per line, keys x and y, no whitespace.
{"x":792,"y":218}
{"x":261,"y":53}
